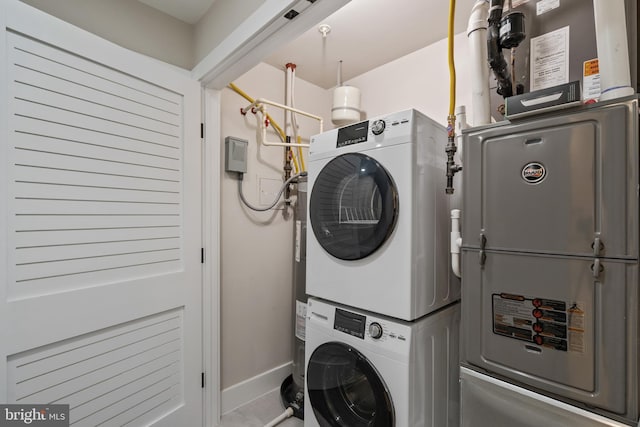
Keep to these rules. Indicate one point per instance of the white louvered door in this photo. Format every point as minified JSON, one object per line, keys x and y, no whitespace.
{"x":101,"y":218}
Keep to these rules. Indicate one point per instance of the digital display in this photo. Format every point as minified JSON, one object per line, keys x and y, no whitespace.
{"x":350,"y":323}
{"x":354,"y":134}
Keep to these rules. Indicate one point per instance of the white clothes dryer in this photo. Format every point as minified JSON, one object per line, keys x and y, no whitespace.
{"x":379,"y":216}
{"x":368,"y":370}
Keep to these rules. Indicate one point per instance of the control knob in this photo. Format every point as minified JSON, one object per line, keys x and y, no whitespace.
{"x":378,"y":127}
{"x":375,"y":330}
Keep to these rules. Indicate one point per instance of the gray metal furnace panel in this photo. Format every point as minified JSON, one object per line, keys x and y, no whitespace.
{"x":548,"y":323}
{"x":489,"y":402}
{"x":586,"y":189}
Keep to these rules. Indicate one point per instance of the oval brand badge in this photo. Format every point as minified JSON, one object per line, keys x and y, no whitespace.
{"x":534,"y":172}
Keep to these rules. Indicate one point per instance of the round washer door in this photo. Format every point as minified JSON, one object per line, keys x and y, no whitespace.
{"x":345,"y":389}
{"x":353,"y":207}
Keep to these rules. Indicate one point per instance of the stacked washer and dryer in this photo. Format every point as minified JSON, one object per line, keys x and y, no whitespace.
{"x":383,"y":320}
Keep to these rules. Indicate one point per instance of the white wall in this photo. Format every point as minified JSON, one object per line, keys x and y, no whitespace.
{"x":419,"y":80}
{"x":130,"y":24}
{"x":257,"y":248}
{"x":220,"y":20}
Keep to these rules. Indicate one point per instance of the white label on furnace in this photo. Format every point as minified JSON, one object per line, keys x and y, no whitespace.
{"x":298,"y":232}
{"x":301,"y":318}
{"x":550,"y":59}
{"x":545,"y":6}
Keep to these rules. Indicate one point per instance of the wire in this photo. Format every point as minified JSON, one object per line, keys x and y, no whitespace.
{"x":284,"y":185}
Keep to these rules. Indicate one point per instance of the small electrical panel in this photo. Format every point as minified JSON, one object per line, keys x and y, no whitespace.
{"x":235,"y":158}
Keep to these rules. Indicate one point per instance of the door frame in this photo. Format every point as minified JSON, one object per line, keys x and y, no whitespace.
{"x":238,"y":53}
{"x":211,"y":251}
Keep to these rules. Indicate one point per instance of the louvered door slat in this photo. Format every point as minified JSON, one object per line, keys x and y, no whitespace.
{"x":55,"y":161}
{"x":48,"y":144}
{"x":64,"y":114}
{"x":95,"y":180}
{"x":93,"y":75}
{"x":40,"y":95}
{"x":40,"y":239}
{"x":81,"y":135}
{"x":32,"y":73}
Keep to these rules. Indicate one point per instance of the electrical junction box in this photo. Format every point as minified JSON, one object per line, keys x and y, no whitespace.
{"x":235,"y":158}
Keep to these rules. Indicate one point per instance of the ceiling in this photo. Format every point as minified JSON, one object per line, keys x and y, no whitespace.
{"x":189,"y":11}
{"x":365,"y":34}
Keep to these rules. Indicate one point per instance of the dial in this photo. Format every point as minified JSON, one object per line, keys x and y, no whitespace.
{"x":375,"y":330}
{"x":377,"y":127}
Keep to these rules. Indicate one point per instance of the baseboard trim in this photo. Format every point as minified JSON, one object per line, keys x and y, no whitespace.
{"x":248,"y":390}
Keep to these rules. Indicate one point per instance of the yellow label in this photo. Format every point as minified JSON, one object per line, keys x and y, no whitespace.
{"x":591,"y":67}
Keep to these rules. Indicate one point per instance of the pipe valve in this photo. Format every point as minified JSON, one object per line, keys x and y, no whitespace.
{"x":451,"y":149}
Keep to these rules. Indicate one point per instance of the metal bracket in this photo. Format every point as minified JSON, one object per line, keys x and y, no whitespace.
{"x":482,"y":255}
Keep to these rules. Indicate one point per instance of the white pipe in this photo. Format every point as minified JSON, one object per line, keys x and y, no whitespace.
{"x":280,"y":418}
{"x":456,"y":241}
{"x":287,"y":114}
{"x":263,"y":133}
{"x":259,"y":101}
{"x":477,"y":34}
{"x":260,"y":105}
{"x":613,"y":49}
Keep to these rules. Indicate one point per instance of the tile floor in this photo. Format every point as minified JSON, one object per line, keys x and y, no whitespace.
{"x":259,"y":412}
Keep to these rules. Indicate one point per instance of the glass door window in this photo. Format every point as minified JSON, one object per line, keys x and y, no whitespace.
{"x":345,"y":389}
{"x":353,"y":207}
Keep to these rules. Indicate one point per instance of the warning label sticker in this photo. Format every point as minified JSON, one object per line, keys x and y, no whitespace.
{"x":301,"y":319}
{"x":591,"y":80}
{"x":545,"y":322}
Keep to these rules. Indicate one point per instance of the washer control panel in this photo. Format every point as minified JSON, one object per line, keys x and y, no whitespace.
{"x":369,"y":328}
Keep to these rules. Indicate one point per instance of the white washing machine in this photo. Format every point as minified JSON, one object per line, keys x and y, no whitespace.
{"x":379,"y":234}
{"x":369,"y":370}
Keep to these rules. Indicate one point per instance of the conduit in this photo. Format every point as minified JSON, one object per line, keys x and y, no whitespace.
{"x":277,"y":198}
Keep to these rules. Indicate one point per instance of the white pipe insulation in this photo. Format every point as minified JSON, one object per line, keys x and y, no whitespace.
{"x":613,"y":49}
{"x":477,"y":35}
{"x":456,"y":241}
